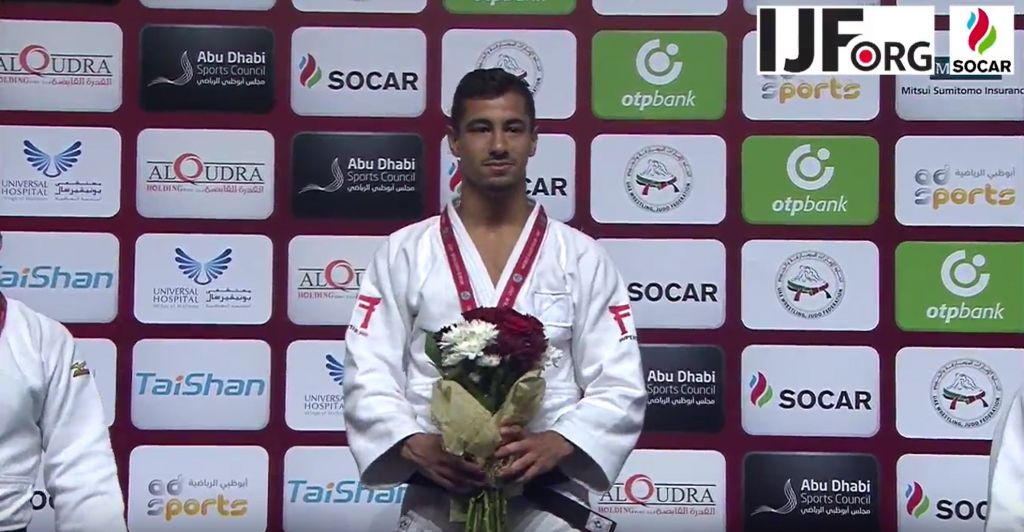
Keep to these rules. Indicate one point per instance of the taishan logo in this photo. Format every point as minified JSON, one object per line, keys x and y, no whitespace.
{"x":885,"y":40}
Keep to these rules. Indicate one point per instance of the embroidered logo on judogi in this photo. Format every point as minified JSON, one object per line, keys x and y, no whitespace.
{"x":79,"y":369}
{"x":619,"y":314}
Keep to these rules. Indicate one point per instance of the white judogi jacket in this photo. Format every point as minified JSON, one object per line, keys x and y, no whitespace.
{"x":1006,"y":471}
{"x":49,"y":403}
{"x":596,"y":398}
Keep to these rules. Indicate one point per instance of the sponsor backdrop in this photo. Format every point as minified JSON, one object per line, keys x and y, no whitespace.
{"x":826,"y":270}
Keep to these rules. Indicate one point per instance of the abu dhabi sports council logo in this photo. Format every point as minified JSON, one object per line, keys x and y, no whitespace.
{"x":981,"y":40}
{"x":810,"y":491}
{"x":309,"y":71}
{"x":790,"y":504}
{"x":517,"y":58}
{"x":810,"y":284}
{"x":966,"y":393}
{"x":222,"y":68}
{"x":658,"y":178}
{"x":357,"y":176}
{"x":761,"y":392}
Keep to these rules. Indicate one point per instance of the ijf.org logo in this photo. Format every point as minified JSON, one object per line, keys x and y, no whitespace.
{"x":761,"y":392}
{"x":658,"y":178}
{"x":966,"y":393}
{"x":517,"y":58}
{"x":810,"y":284}
{"x":309,"y":71}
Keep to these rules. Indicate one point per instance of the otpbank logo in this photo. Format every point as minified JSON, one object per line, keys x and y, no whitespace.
{"x":981,"y":40}
{"x":960,"y":286}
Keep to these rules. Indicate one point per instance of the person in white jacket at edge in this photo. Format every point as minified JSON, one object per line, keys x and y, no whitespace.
{"x":51,"y":417}
{"x":593,"y":410}
{"x":1006,"y":470}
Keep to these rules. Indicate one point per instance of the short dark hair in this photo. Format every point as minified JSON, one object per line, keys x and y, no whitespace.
{"x":489,"y":83}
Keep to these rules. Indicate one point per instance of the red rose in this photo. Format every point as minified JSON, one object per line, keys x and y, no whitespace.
{"x":515,"y":323}
{"x":488,"y":314}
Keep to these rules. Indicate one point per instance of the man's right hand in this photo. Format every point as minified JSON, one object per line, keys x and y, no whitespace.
{"x":447,"y":470}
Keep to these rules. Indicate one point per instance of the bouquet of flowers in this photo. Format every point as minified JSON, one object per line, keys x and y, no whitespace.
{"x":490,"y":365}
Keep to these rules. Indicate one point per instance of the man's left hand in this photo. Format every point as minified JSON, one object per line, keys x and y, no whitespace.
{"x":537,"y":453}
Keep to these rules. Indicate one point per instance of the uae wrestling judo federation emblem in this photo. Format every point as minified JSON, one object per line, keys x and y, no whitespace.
{"x":966,"y":393}
{"x":810,"y":284}
{"x":514,"y":57}
{"x":658,"y":178}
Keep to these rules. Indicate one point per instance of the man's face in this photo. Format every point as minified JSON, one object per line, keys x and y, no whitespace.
{"x":494,"y":142}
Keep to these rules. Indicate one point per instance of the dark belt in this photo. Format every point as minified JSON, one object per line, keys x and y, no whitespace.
{"x":539,"y":492}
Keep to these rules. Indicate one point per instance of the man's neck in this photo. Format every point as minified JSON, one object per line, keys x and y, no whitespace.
{"x":498,"y":211}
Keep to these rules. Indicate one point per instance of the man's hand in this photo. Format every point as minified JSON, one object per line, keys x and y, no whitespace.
{"x":447,"y":470}
{"x":537,"y":453}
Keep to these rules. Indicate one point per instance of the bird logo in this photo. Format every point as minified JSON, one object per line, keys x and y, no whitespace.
{"x":202,"y":273}
{"x":52,"y":165}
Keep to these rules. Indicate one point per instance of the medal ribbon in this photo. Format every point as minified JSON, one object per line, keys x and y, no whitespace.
{"x":515,"y":283}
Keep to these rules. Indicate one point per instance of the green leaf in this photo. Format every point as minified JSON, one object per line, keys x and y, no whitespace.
{"x":432,"y":350}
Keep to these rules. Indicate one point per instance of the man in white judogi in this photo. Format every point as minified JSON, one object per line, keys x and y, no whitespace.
{"x":493,"y":246}
{"x":1006,"y":471}
{"x":49,"y":402}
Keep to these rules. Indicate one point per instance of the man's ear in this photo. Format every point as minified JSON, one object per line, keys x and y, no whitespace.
{"x":453,"y":140}
{"x":533,"y":140}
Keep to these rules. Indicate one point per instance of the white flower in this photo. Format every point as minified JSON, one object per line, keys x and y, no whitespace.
{"x":467,"y":340}
{"x":488,"y":361}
